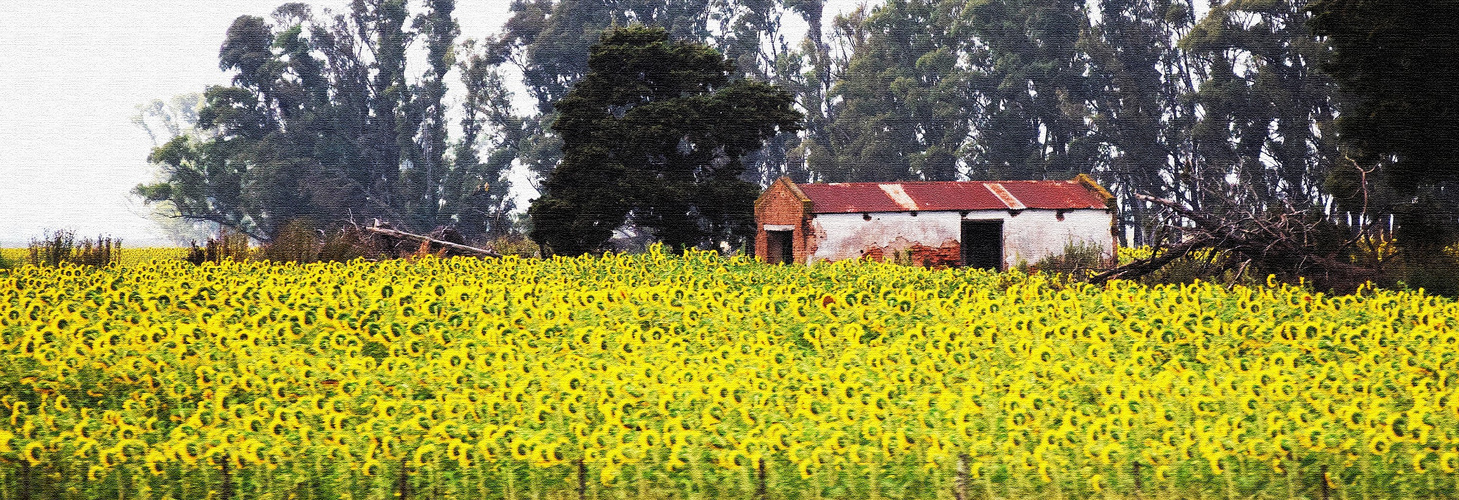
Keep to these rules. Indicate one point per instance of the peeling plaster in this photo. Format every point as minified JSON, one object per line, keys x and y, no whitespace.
{"x":1028,"y":238}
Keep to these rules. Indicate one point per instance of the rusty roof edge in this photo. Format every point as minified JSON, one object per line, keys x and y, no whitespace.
{"x":1088,"y":183}
{"x":794,"y":189}
{"x":806,"y":205}
{"x":789,"y":184}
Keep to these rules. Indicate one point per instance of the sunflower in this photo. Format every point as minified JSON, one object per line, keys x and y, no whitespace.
{"x":156,"y":463}
{"x":1449,"y":462}
{"x":423,"y":455}
{"x":34,"y":452}
{"x":1379,"y":445}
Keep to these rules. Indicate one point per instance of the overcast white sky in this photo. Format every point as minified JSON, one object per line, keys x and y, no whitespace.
{"x":72,"y":74}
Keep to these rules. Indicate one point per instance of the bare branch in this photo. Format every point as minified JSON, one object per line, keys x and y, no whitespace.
{"x":416,"y":237}
{"x":1279,"y":239}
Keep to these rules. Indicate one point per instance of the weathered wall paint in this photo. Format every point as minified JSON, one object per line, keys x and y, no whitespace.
{"x":1035,"y":234}
{"x":850,"y":236}
{"x":1028,"y":237}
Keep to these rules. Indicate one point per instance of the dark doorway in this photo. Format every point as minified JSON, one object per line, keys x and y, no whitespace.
{"x":983,"y":244}
{"x":778,"y":247}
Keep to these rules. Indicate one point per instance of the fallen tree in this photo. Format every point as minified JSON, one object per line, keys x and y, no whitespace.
{"x":1284,"y":241}
{"x":429,"y":244}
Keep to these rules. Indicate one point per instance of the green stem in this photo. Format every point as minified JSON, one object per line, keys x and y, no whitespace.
{"x":511,"y":472}
{"x":480,"y":473}
{"x":698,"y":476}
{"x":1230,"y":483}
{"x":988,"y":485}
{"x":643,"y":479}
{"x":534,"y":476}
{"x":1291,"y":471}
{"x":871,"y":474}
{"x":1367,"y":477}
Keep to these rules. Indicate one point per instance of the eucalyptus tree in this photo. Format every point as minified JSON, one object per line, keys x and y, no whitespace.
{"x":1268,"y":111}
{"x":322,"y":121}
{"x":1399,"y":63}
{"x":904,"y":100}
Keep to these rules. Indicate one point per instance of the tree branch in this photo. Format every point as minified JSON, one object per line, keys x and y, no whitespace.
{"x":416,"y":237}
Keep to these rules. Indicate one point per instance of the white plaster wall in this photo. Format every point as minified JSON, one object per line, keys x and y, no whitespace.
{"x":1027,"y":237}
{"x":847,"y":236}
{"x":1034,"y":234}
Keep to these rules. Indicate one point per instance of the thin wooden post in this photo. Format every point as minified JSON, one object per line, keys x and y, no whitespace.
{"x":1323,"y":479}
{"x":25,"y":486}
{"x":761,"y":491}
{"x":582,"y":480}
{"x":1138,"y":485}
{"x":402,"y":482}
{"x":227,"y":488}
{"x":960,"y":483}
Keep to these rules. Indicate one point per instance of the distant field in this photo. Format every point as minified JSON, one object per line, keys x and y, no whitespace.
{"x":698,"y":376}
{"x":130,"y":256}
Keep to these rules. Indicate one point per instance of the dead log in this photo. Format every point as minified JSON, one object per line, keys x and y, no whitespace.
{"x":1142,"y":267}
{"x":469,"y":250}
{"x":1279,"y":241}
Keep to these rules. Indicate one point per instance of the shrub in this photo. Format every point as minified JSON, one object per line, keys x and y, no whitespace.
{"x":229,"y":245}
{"x":60,"y":247}
{"x":347,"y":244}
{"x":513,"y":244}
{"x":1079,"y":260}
{"x":297,"y":241}
{"x":1435,"y":273}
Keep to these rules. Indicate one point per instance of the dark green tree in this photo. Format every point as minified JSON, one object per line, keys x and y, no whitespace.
{"x":905,"y":104}
{"x":654,"y":135}
{"x":424,"y":187}
{"x":1398,"y":65}
{"x":1035,"y":91}
{"x":1268,"y":111}
{"x":547,"y":41}
{"x":322,"y":122}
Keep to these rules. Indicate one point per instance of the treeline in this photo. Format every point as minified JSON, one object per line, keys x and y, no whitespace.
{"x":1208,"y":105}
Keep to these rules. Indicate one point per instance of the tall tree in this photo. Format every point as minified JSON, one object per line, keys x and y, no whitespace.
{"x":1267,"y":110}
{"x":322,"y":122}
{"x":1034,"y":90}
{"x":488,"y":122}
{"x":1399,"y":63}
{"x":423,"y":189}
{"x":1141,"y":84}
{"x":905,"y":105}
{"x":390,"y":136}
{"x":654,"y":134}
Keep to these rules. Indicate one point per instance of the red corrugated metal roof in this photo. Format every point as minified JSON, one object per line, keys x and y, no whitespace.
{"x":938,"y":196}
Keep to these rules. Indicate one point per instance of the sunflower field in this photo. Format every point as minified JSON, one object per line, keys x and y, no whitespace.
{"x":705,"y":377}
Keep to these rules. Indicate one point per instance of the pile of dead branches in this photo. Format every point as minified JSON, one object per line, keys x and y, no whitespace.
{"x":305,"y":243}
{"x":1285,"y":241}
{"x":443,"y":242}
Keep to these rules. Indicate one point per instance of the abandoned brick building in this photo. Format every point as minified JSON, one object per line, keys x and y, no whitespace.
{"x":987,"y":224}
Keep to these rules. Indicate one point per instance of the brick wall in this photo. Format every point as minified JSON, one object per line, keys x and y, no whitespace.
{"x":779,"y":205}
